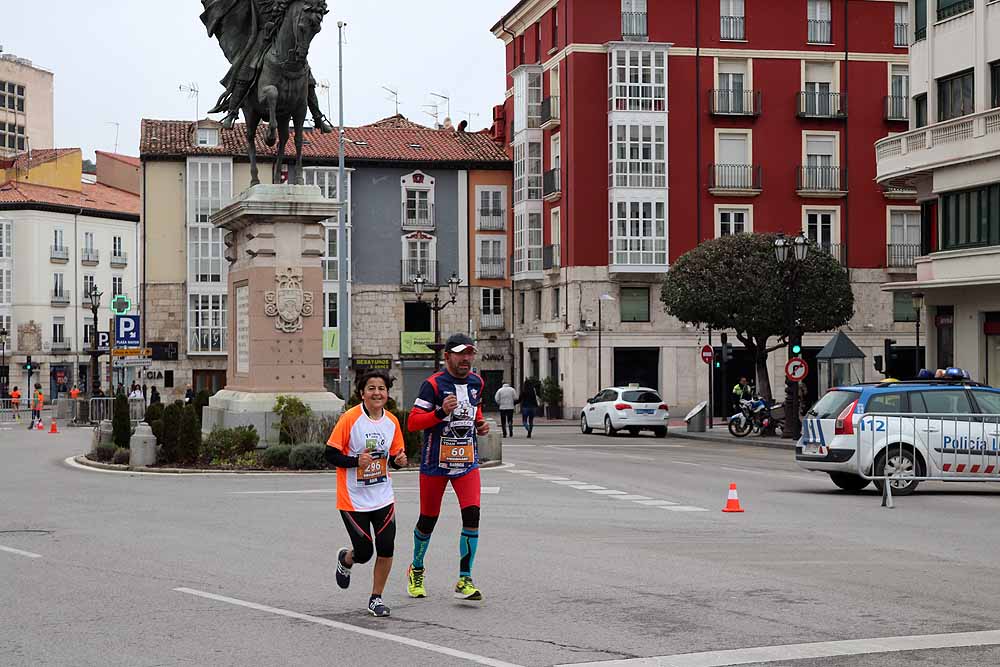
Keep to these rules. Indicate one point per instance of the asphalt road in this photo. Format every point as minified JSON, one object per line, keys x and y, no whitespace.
{"x":124,"y":569}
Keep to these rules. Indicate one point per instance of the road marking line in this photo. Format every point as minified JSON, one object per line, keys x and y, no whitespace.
{"x":571,"y":482}
{"x":488,"y":490}
{"x":656,"y":503}
{"x":765,"y":654}
{"x":619,"y":445}
{"x":684,"y":508}
{"x":415,"y":643}
{"x":630,"y":496}
{"x":523,"y":472}
{"x":685,"y":463}
{"x":587,"y":487}
{"x":607,"y":492}
{"x":26,"y":554}
{"x":69,"y":461}
{"x":553,"y":478}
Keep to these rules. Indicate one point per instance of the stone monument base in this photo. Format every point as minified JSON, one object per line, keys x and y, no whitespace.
{"x":229,"y":409}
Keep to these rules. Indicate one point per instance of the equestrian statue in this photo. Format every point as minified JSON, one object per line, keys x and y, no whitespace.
{"x":267,"y":43}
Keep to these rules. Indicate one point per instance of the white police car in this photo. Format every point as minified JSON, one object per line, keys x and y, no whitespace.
{"x":632,"y":408}
{"x":947,"y":429}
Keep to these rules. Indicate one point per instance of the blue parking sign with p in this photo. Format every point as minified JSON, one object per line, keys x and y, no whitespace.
{"x":127,"y":331}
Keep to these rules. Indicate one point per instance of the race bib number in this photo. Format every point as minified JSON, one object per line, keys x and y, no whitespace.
{"x":456,"y":453}
{"x":376,"y":472}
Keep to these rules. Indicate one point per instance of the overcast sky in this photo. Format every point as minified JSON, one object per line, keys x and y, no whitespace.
{"x":118,"y":61}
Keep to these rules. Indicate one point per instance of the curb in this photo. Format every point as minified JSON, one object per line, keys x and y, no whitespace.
{"x":82,"y":461}
{"x":725,"y":440}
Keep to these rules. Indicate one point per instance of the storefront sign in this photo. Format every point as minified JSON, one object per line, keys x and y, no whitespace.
{"x":494,"y":356}
{"x":415,"y":342}
{"x":164,"y":351}
{"x":331,"y":343}
{"x":371,"y":363}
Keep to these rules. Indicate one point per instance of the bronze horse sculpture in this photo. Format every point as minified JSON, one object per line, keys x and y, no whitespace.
{"x":267,"y":42}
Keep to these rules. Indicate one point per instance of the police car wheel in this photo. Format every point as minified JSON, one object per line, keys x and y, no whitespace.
{"x":849,"y":482}
{"x":899,"y":464}
{"x":584,"y":427}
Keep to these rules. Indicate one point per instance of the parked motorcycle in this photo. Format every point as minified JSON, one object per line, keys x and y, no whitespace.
{"x":755,"y":416}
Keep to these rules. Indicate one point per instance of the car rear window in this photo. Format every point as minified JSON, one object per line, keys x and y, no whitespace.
{"x":988,"y":401}
{"x":641,"y":396}
{"x":833,"y":403}
{"x":941,"y":402}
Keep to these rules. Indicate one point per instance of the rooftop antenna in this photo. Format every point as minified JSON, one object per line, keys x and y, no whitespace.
{"x":447,"y":102}
{"x":469,"y":115}
{"x":395,"y":96}
{"x":324,"y":84}
{"x":117,"y":129}
{"x":192,"y":91}
{"x":433,"y":114}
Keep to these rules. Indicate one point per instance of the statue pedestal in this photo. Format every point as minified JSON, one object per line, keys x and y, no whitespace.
{"x":275,"y":245}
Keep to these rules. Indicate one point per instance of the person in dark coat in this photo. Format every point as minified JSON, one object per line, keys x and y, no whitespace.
{"x":529,"y":405}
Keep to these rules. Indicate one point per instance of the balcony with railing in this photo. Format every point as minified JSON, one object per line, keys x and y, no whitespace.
{"x":59,"y":298}
{"x":59,"y":254}
{"x":90,"y":256}
{"x":899,"y":35}
{"x":491,"y":322}
{"x":491,"y":219}
{"x":836,"y":250}
{"x":65,"y":344}
{"x":902,"y":255}
{"x":820,"y":31}
{"x":119,"y":260}
{"x":425,"y":268}
{"x":550,"y":112}
{"x":417,"y":217}
{"x":732,"y":28}
{"x":921,"y":151}
{"x":821,"y":181}
{"x":551,"y":259}
{"x":552,"y":184}
{"x":491,"y":268}
{"x":735,"y":180}
{"x":949,"y":8}
{"x":635,"y":26}
{"x":813,"y":104}
{"x":727,"y":102}
{"x":897,"y":108}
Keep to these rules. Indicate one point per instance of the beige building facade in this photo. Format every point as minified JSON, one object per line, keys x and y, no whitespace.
{"x":26,"y":106}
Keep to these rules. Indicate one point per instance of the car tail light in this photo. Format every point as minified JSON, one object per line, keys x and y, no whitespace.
{"x":664,"y":407}
{"x":845,"y":422}
{"x":622,"y":406}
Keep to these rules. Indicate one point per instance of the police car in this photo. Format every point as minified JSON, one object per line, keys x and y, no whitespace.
{"x":632,"y":408}
{"x":947,"y":429}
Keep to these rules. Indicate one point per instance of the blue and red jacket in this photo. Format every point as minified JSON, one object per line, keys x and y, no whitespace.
{"x":457,"y":430}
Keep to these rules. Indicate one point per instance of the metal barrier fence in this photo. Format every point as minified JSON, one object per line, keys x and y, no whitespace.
{"x":11,"y":410}
{"x":898,"y":450}
{"x":104,"y":408}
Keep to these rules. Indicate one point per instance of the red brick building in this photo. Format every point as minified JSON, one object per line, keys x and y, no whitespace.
{"x":656,"y":125}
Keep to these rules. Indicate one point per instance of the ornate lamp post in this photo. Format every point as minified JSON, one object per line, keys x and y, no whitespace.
{"x":95,"y":305}
{"x":419,"y":282}
{"x":918,"y":304}
{"x":790,"y":254}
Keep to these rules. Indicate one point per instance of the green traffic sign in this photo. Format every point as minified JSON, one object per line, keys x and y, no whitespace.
{"x":121,"y":305}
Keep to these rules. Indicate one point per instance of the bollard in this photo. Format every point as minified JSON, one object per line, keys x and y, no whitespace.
{"x":105,"y":432}
{"x":142,"y":446}
{"x":491,"y":446}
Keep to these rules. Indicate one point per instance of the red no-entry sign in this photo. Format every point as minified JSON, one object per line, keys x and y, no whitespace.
{"x":707,"y":354}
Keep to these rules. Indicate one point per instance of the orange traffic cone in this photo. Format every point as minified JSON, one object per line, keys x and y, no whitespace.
{"x":733,"y":502}
{"x":53,"y":428}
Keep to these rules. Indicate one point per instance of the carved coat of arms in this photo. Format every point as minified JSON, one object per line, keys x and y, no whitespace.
{"x":289,"y":303}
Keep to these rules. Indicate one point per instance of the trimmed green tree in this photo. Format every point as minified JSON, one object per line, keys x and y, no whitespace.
{"x":736,"y":283}
{"x":188,"y":436}
{"x":169,"y":429}
{"x":121,"y":422}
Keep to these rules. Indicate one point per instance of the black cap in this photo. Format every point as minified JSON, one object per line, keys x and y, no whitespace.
{"x":459,"y":343}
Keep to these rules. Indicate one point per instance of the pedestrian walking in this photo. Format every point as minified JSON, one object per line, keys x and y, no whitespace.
{"x":448,"y":409}
{"x":189,"y":395}
{"x":529,"y":405}
{"x":506,"y":398}
{"x":15,"y":403}
{"x":74,"y":393}
{"x":366,"y":441}
{"x":136,"y":394}
{"x":37,"y":402}
{"x":154,"y":395}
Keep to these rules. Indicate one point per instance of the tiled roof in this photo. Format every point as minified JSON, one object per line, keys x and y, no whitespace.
{"x":127,"y":159}
{"x":171,"y":138}
{"x":40,"y":156}
{"x":94,"y":197}
{"x":397,"y":122}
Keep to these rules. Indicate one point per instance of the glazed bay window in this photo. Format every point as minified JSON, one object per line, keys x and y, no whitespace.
{"x":332,"y":257}
{"x":527,"y":242}
{"x":970,"y":218}
{"x":209,"y":189}
{"x":527,"y":98}
{"x":207,"y":323}
{"x":956,"y":95}
{"x":6,"y":287}
{"x":527,"y":171}
{"x":638,"y":156}
{"x":205,"y":260}
{"x":638,"y":233}
{"x":637,"y":79}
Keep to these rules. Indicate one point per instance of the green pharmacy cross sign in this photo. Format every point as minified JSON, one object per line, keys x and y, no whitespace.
{"x":121,"y":305}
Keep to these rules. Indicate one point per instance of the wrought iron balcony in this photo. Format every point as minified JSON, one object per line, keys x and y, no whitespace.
{"x":90,"y":256}
{"x":635,"y":26}
{"x":63,"y":345}
{"x":119,"y":260}
{"x":491,"y":219}
{"x":59,"y":298}
{"x":897,"y":107}
{"x":836,"y":250}
{"x":59,"y":254}
{"x":817,"y":180}
{"x":734,"y":179}
{"x":732,"y":28}
{"x":552,"y":184}
{"x":902,"y":255}
{"x":491,"y":268}
{"x":551,"y":258}
{"x":491,"y":321}
{"x":427,"y":269}
{"x":899,"y":35}
{"x":550,"y":112}
{"x":728,"y":102}
{"x":820,"y":31}
{"x":822,"y":105}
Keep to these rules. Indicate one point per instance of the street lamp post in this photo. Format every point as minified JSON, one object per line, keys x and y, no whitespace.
{"x":918,"y":304}
{"x":95,"y":305}
{"x":419,"y":282}
{"x":600,"y":346}
{"x":790,"y":254}
{"x":3,"y":363}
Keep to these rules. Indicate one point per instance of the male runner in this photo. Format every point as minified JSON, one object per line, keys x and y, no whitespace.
{"x":448,"y":410}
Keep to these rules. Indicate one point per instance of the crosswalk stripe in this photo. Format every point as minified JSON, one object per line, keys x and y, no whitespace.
{"x":607,"y":492}
{"x":656,"y":503}
{"x":684,"y":508}
{"x":630,"y":496}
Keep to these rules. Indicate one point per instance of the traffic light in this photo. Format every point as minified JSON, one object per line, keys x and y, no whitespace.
{"x":27,"y":364}
{"x":795,"y":344}
{"x":878,"y":363}
{"x":727,"y":350}
{"x":887,"y":352}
